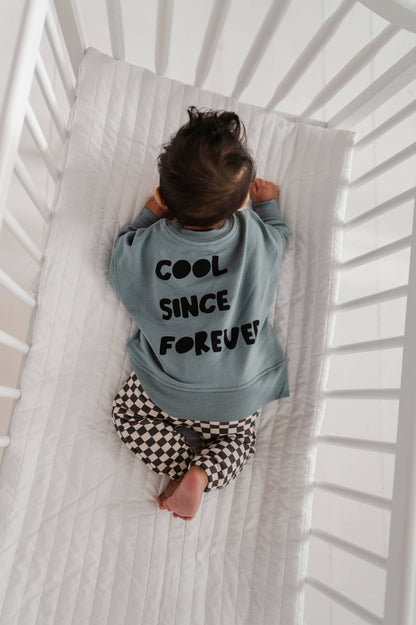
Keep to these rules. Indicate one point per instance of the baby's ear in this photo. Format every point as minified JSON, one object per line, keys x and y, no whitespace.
{"x":158,"y":198}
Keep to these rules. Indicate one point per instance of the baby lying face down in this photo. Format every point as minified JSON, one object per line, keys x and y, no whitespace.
{"x":199,"y":276}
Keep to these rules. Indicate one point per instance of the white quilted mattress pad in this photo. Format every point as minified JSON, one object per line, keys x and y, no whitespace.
{"x":82,"y":537}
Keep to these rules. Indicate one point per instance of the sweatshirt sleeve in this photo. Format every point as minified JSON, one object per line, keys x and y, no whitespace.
{"x":269,"y":212}
{"x":125,"y":240}
{"x":143,"y":221}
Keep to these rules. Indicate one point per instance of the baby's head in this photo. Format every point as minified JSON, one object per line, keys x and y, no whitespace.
{"x":206,"y":169}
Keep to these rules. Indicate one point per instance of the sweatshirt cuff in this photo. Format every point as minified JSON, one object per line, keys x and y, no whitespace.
{"x":267,"y":209}
{"x":145,"y":219}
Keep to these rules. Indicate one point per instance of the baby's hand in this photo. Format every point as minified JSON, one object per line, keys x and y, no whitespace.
{"x":263,"y":190}
{"x":158,"y":211}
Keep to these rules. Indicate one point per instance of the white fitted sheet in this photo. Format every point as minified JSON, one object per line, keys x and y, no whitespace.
{"x":82,"y":538}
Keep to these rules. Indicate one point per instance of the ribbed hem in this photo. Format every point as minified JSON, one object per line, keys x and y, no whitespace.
{"x":218,"y":404}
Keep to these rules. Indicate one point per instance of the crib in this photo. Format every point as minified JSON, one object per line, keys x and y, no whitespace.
{"x":379,"y":565}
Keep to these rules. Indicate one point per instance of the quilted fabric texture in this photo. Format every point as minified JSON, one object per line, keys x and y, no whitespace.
{"x":82,"y":538}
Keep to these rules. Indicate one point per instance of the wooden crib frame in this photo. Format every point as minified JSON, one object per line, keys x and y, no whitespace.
{"x":63,"y":27}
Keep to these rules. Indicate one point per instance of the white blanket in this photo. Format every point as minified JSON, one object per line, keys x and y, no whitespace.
{"x":82,"y":539}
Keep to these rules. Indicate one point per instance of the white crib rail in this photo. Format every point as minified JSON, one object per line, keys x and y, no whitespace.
{"x":209,"y":46}
{"x":309,"y":54}
{"x":38,"y":21}
{"x":351,"y":69}
{"x":72,"y":28}
{"x":399,"y":564}
{"x":401,"y":574}
{"x":115,"y":24}
{"x":394,"y":79}
{"x":18,"y":89}
{"x":262,"y":41}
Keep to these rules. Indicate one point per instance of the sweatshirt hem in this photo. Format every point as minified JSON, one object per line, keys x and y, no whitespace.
{"x":216,"y":404}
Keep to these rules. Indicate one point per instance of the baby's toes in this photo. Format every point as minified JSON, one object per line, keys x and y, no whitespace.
{"x":161,"y":500}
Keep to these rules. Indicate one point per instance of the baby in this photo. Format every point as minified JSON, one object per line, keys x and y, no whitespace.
{"x":199,"y":277}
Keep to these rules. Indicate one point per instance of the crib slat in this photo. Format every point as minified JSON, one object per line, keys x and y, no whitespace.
{"x":394,"y":11}
{"x":14,"y":288}
{"x":262,"y":41}
{"x":31,"y":189}
{"x":389,"y":163}
{"x":359,"y":443}
{"x":356,"y":495}
{"x":115,"y":24}
{"x":387,"y":85}
{"x":49,"y":95}
{"x":72,"y":30}
{"x":351,"y":69}
{"x":65,"y":72}
{"x":381,"y":208}
{"x":40,"y":140}
{"x":380,"y":252}
{"x":163,"y":35}
{"x":13,"y":342}
{"x":341,"y":599}
{"x":376,"y":298}
{"x":18,"y":89}
{"x":9,"y":392}
{"x":364,"y":393}
{"x":355,"y":550}
{"x":366,"y":346}
{"x":387,"y":125}
{"x":22,"y":236}
{"x":317,"y":43}
{"x":213,"y":32}
{"x":4,"y":441}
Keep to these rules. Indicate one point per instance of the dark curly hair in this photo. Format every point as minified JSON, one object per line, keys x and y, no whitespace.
{"x":206,"y":169}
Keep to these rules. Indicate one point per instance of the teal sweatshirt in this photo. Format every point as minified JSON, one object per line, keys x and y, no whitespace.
{"x":204,"y":348}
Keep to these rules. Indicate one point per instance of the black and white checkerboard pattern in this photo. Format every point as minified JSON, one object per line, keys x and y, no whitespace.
{"x":153,"y":434}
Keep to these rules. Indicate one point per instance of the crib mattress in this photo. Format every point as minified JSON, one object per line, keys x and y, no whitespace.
{"x":82,"y":537}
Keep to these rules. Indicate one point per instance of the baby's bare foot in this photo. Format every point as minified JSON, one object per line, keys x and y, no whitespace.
{"x":185,"y":501}
{"x":169,"y":490}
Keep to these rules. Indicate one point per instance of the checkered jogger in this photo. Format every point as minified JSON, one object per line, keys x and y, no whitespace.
{"x":151,"y":433}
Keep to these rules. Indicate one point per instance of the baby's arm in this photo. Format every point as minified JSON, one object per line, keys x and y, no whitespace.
{"x":152,"y":211}
{"x":265,"y":200}
{"x":128,"y":235}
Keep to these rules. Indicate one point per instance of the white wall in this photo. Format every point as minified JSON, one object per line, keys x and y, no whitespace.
{"x":362,"y":470}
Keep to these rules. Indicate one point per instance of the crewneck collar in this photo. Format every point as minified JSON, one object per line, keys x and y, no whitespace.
{"x":175,"y":229}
